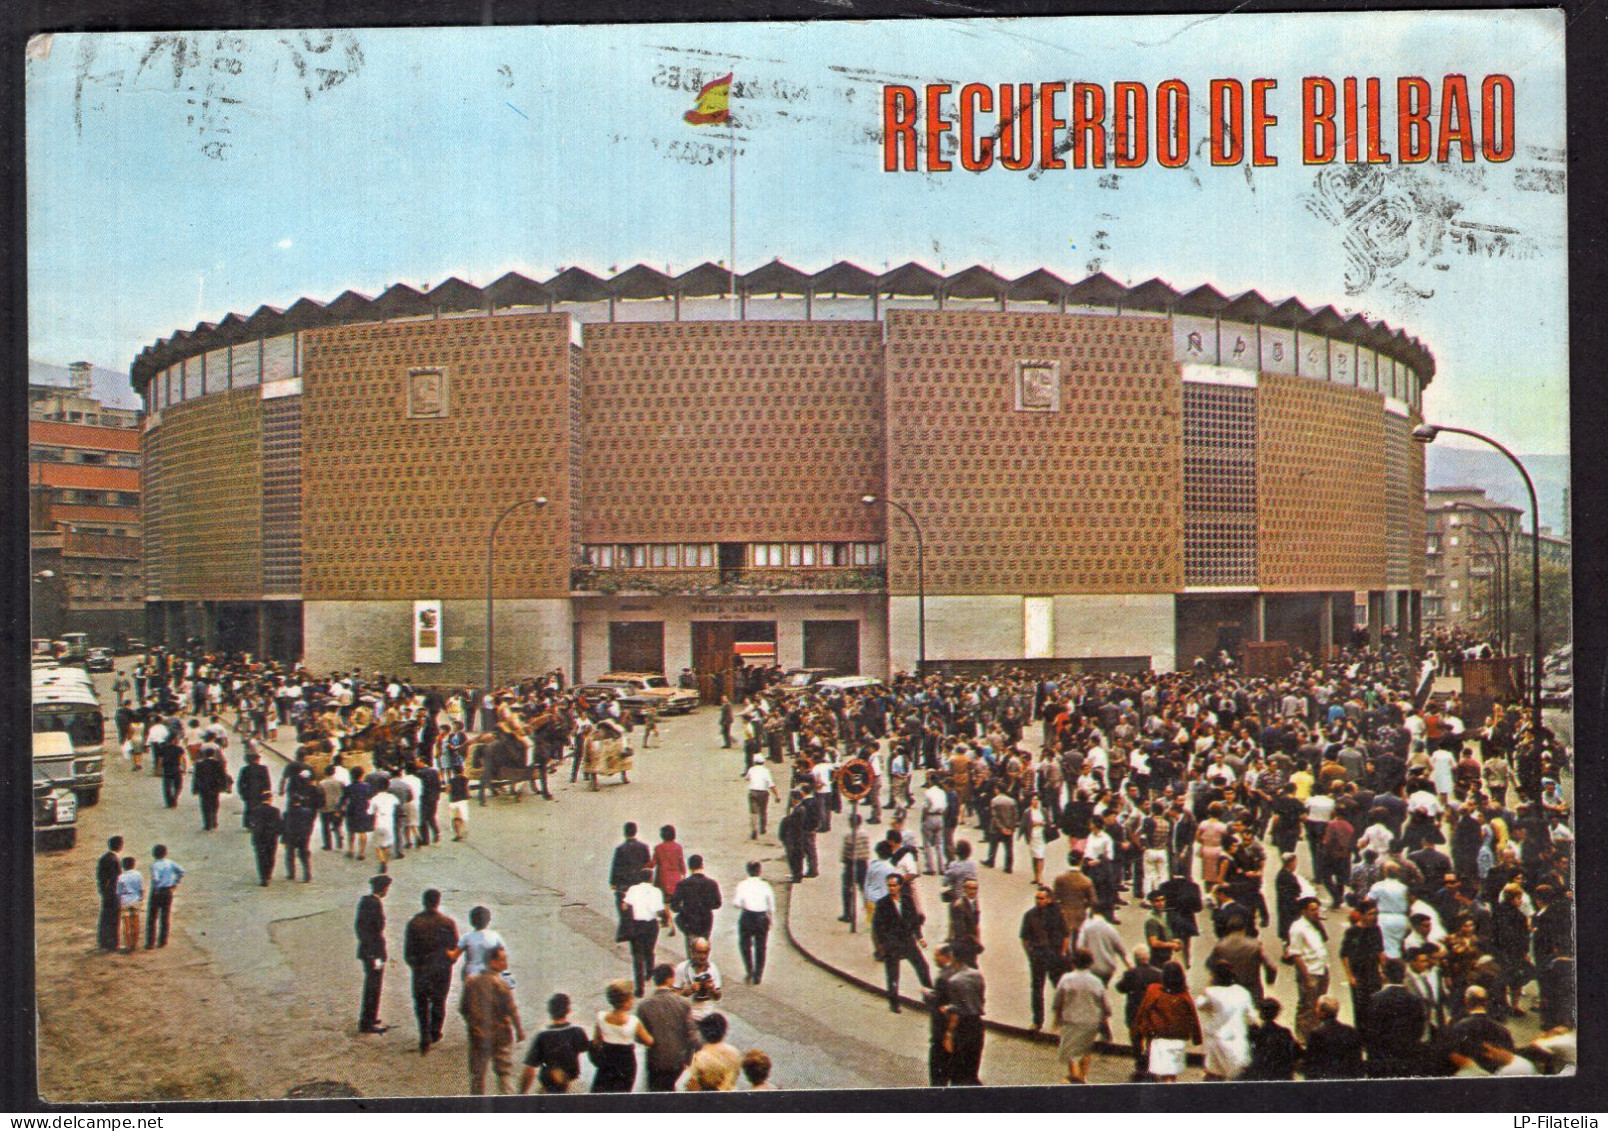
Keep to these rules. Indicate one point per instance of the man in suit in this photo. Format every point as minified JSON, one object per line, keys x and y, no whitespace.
{"x":631,"y":856}
{"x":1393,"y":1029}
{"x":1135,"y":980}
{"x":430,"y":947}
{"x":297,"y":834}
{"x":1243,"y":955}
{"x":667,"y":1016}
{"x":1333,"y":1050}
{"x":107,"y":869}
{"x":1470,"y":1033}
{"x":1287,"y":892}
{"x":371,"y":952}
{"x":267,"y":824}
{"x":896,"y":926}
{"x":253,"y":785}
{"x":695,"y":901}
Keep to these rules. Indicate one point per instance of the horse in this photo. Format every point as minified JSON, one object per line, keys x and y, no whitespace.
{"x":502,"y":760}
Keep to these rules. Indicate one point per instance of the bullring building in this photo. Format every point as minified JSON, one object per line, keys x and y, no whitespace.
{"x":1103,"y":476}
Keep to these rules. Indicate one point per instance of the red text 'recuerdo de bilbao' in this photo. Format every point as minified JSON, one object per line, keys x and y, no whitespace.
{"x":1125,"y":125}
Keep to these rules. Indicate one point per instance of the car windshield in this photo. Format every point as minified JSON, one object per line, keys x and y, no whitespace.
{"x":798,"y":679}
{"x":82,"y":724}
{"x":656,"y":681}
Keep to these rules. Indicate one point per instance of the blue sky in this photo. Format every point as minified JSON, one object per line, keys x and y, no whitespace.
{"x":179,"y":177}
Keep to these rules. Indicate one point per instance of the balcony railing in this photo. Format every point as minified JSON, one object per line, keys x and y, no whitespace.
{"x":728,"y":582}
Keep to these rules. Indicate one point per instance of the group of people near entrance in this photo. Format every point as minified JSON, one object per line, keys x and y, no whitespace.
{"x":1407,"y":872}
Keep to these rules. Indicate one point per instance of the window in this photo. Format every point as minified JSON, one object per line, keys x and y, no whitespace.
{"x":835,"y":554}
{"x":698,"y":555}
{"x":663,"y":557}
{"x":601,"y":556}
{"x":1452,"y":584}
{"x":800,"y":554}
{"x":1432,"y":544}
{"x":766,"y":555}
{"x":867,"y":553}
{"x":634,"y":557}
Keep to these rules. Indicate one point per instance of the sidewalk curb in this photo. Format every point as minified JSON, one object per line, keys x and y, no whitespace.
{"x":1039,"y":1037}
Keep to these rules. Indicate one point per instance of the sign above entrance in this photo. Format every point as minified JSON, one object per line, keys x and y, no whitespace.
{"x":733,"y":608}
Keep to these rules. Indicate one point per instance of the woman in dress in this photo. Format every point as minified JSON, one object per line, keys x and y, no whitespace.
{"x":614,"y":1041}
{"x":1225,"y":1011}
{"x":1033,"y":832}
{"x":1166,"y":1018}
{"x":1210,"y":838}
{"x":1081,"y":1010}
{"x":669,"y":864}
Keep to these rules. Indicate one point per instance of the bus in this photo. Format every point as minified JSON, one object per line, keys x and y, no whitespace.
{"x":70,"y":708}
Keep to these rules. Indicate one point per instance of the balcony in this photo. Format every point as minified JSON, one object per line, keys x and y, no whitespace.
{"x":723,"y":582}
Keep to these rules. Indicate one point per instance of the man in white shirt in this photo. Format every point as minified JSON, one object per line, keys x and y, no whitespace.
{"x":934,"y":802}
{"x":826,"y":796}
{"x":698,"y":979}
{"x":756,"y":907}
{"x":761,"y":790}
{"x":382,"y":807}
{"x":477,"y":946}
{"x":645,"y":913}
{"x":1308,"y":951}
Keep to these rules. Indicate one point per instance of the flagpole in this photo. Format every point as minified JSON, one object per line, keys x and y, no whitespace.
{"x":731,"y":155}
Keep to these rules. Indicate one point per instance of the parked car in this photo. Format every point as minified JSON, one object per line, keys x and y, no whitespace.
{"x":98,"y":660}
{"x":849,"y":683}
{"x":646,"y":689}
{"x":797,"y":680}
{"x":55,"y":811}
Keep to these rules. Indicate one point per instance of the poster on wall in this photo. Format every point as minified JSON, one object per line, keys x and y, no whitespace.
{"x":427,"y":632}
{"x":1019,"y":401}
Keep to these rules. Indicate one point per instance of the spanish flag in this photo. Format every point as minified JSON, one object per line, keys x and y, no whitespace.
{"x":712,"y":108}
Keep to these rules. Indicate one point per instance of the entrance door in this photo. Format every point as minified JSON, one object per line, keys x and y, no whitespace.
{"x":636,"y":646}
{"x":712,"y":646}
{"x":832,"y":644}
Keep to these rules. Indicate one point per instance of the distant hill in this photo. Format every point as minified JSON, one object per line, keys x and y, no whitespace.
{"x":1459,"y":467}
{"x":110,"y":385}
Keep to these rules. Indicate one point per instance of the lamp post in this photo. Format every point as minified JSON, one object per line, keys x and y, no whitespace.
{"x":491,"y":559}
{"x":1426,"y":434}
{"x":921,"y":580}
{"x":1499,"y":527}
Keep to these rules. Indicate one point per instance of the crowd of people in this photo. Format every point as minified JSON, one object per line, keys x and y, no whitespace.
{"x":186,"y":713}
{"x":1331,"y":798}
{"x":1327,"y":799}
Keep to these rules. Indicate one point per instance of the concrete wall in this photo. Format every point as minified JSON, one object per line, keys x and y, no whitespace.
{"x":1128,"y":624}
{"x":999,"y":628}
{"x":593,"y":615}
{"x":533,"y":636}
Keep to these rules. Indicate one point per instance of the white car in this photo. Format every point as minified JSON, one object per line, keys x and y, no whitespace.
{"x":848,"y":683}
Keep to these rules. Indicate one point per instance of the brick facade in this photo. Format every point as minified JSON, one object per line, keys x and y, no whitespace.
{"x":1320,"y":475}
{"x":1087,"y":499}
{"x":204,"y":500}
{"x":731,"y":432}
{"x":399,"y":507}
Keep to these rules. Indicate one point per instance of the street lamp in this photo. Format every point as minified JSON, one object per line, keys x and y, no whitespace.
{"x":1426,"y":434}
{"x":491,"y":550}
{"x":921,"y":580}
